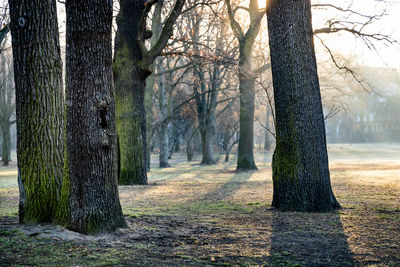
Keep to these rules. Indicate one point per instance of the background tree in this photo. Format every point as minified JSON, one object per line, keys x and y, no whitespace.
{"x":246,"y":80}
{"x":300,"y":162}
{"x":7,"y":104}
{"x":91,"y":136}
{"x":39,"y":107}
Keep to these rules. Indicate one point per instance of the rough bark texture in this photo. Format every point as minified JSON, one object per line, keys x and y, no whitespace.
{"x":130,"y":84}
{"x":91,"y":137}
{"x":39,"y":107}
{"x":300,"y":162}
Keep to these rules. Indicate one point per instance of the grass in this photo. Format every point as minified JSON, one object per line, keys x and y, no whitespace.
{"x":210,"y":215}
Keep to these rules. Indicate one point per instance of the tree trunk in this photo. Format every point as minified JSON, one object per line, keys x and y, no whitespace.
{"x":267,"y":141}
{"x":163,"y":104}
{"x":189,"y":152}
{"x":207,"y":142}
{"x":130,"y":85}
{"x":164,"y":146}
{"x":6,"y":147}
{"x":91,"y":137}
{"x":245,"y":160}
{"x":39,"y":107}
{"x":247,"y":97}
{"x":149,"y":118}
{"x":300,"y":162}
{"x":228,"y":151}
{"x":129,"y":126}
{"x":156,"y":27}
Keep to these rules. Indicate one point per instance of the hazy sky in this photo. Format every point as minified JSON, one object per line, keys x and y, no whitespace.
{"x":347,"y":44}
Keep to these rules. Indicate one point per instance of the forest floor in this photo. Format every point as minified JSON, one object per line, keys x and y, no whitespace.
{"x":211,"y":215}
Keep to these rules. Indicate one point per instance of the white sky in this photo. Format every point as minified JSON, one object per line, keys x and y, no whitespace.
{"x":346,"y":44}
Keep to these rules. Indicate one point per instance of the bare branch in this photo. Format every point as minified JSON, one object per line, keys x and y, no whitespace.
{"x":362,"y":83}
{"x":166,"y":33}
{"x":237,"y":30}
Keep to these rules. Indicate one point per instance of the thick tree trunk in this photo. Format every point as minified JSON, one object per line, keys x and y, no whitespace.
{"x":300,"y":162}
{"x":247,"y":97}
{"x":6,"y":146}
{"x":130,"y":85}
{"x":130,"y":120}
{"x":91,"y":137}
{"x":39,"y":107}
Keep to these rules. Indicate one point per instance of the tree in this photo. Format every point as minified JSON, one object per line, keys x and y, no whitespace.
{"x":134,"y":60}
{"x":246,"y":81}
{"x":7,"y":94}
{"x":165,"y":105}
{"x":300,"y":162}
{"x":3,"y":32}
{"x":267,"y":141}
{"x":7,"y":105}
{"x":39,"y":107}
{"x":91,"y":137}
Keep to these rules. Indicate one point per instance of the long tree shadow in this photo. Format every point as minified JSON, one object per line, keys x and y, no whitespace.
{"x":228,"y":188}
{"x":308,"y":239}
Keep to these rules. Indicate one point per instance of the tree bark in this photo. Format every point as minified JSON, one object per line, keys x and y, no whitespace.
{"x":39,"y":107}
{"x":130,"y":85}
{"x":91,"y":137}
{"x":301,"y":177}
{"x":6,"y":147}
{"x":246,"y":114}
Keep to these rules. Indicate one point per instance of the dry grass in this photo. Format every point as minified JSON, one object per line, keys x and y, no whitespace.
{"x":202,"y":215}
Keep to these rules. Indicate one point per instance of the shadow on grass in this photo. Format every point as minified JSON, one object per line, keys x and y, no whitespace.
{"x":228,"y":188}
{"x":308,"y":239}
{"x":215,"y":200}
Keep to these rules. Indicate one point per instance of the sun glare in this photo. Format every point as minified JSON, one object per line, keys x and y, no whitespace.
{"x":262,"y":3}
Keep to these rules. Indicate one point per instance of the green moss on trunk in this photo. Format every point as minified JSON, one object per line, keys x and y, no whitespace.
{"x":39,"y":108}
{"x":128,"y":120}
